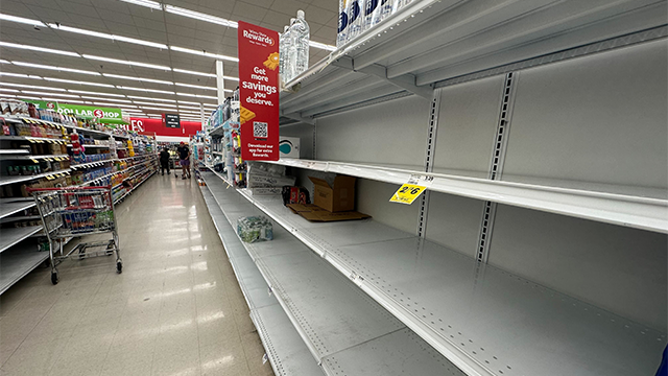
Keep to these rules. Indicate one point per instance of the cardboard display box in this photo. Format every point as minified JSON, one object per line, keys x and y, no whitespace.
{"x":316,"y":214}
{"x":339,"y":198}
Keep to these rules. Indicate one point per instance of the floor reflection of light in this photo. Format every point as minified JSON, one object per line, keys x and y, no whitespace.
{"x":199,"y":247}
{"x":212,"y":317}
{"x":178,"y":325}
{"x":215,"y":363}
{"x":202,"y":265}
{"x":185,"y":372}
{"x":204,"y":286}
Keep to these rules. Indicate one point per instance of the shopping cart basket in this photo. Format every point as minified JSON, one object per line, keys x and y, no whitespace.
{"x":76,"y":211}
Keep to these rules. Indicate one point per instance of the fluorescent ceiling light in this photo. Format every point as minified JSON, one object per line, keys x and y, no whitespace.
{"x":51,"y":67}
{"x":21,"y":75}
{"x":191,"y":107}
{"x":127,"y":62}
{"x":105,"y":99}
{"x":31,"y":86}
{"x":111,"y":104}
{"x":27,"y":21}
{"x":7,"y":96}
{"x":197,"y":95}
{"x":78,"y":82}
{"x":151,"y":103}
{"x":180,"y":101}
{"x":203,"y":53}
{"x":96,"y":93}
{"x":40,"y":49}
{"x":138,"y":79}
{"x":27,"y":97}
{"x":145,"y":3}
{"x":152,"y":99}
{"x":321,"y":45}
{"x":199,"y":16}
{"x":43,"y":93}
{"x":3,"y":61}
{"x":107,"y":36}
{"x":196,"y":86}
{"x":9,"y":90}
{"x":146,"y":90}
{"x":65,"y":100}
{"x":194,"y":73}
{"x":158,"y":109}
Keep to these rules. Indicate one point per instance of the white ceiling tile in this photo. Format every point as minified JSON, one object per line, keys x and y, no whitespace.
{"x":289,"y":7}
{"x":314,"y":14}
{"x":248,"y":12}
{"x":145,"y":25}
{"x":78,"y":9}
{"x":108,"y":8}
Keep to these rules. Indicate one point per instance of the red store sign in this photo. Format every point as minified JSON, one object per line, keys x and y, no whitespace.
{"x":258,"y":91}
{"x":157,"y":127}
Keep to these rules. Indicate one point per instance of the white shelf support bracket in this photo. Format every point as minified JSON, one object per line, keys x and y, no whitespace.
{"x":298,"y":117}
{"x":406,"y":81}
{"x":496,"y":164}
{"x":428,"y":161}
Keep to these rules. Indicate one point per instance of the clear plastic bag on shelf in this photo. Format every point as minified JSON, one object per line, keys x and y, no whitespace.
{"x":255,"y":229}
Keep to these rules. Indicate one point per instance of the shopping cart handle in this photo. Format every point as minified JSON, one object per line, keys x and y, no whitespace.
{"x":28,"y":189}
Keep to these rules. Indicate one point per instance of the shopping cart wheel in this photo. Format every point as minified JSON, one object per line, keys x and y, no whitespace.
{"x":119,"y":267}
{"x":54,"y":278}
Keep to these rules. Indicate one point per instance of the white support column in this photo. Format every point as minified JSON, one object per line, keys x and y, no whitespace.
{"x":201,"y":114}
{"x":220,"y":82}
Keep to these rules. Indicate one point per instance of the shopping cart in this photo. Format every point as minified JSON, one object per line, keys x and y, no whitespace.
{"x":77,"y":211}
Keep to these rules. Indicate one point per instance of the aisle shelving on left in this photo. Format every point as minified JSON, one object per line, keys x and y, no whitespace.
{"x":38,"y":153}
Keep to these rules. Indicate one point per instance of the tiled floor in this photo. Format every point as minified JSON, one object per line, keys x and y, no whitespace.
{"x":176,"y":309}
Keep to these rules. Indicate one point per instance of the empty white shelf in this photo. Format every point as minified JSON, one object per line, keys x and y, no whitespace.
{"x":647,"y":213}
{"x":11,"y":236}
{"x":17,"y":262}
{"x":461,"y":307}
{"x":8,"y":207}
{"x":345,"y":330}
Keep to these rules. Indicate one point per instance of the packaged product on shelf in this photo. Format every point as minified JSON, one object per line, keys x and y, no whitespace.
{"x":295,"y":195}
{"x":254,"y":229}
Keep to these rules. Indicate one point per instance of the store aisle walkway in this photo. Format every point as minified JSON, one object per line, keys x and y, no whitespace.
{"x":176,"y":310}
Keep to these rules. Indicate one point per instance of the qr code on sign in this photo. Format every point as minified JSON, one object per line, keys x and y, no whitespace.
{"x":260,"y":130}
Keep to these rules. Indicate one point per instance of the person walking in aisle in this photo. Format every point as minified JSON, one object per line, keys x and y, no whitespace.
{"x":164,"y":161}
{"x":184,"y":154}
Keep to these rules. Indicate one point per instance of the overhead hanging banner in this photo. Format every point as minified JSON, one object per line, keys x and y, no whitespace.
{"x":107,"y":115}
{"x":258,"y":92}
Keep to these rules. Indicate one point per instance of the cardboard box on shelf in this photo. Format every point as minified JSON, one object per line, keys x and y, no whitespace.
{"x":337,"y":198}
{"x":314,"y":213}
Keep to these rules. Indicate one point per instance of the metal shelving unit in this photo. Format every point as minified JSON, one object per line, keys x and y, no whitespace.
{"x":9,"y":206}
{"x":347,"y":333}
{"x":393,"y":268}
{"x":287,"y":352}
{"x":13,"y":152}
{"x":430,"y":41}
{"x":19,"y":179}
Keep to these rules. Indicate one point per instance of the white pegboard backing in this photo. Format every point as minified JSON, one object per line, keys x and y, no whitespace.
{"x":619,"y":269}
{"x":372,"y":199}
{"x":596,"y":122}
{"x":304,"y":132}
{"x":390,"y":133}
{"x":467,"y":123}
{"x":454,"y":222}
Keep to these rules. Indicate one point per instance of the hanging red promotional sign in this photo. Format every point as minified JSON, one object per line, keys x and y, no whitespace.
{"x":258,"y":92}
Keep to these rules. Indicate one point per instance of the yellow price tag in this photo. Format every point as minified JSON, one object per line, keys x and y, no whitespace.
{"x":34,"y":160}
{"x":407,"y":193}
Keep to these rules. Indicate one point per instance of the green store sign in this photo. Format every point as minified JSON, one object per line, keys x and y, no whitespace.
{"x":107,"y":115}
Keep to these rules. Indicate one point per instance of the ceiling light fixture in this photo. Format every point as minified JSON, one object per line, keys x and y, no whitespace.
{"x":138,"y":79}
{"x":203,"y":53}
{"x":158,"y":108}
{"x":27,"y":21}
{"x":194,"y":73}
{"x":152,"y":99}
{"x":113,"y":37}
{"x":20,"y":75}
{"x":142,"y":89}
{"x":110,"y":104}
{"x":127,"y":62}
{"x":197,"y":86}
{"x":189,"y":102}
{"x":9,"y":90}
{"x":78,"y":82}
{"x":39,"y":49}
{"x":197,"y":95}
{"x":99,"y":99}
{"x":51,"y":67}
{"x":43,"y":93}
{"x":95,"y":93}
{"x":145,"y":3}
{"x":31,"y":86}
{"x":199,"y":16}
{"x":3,"y":61}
